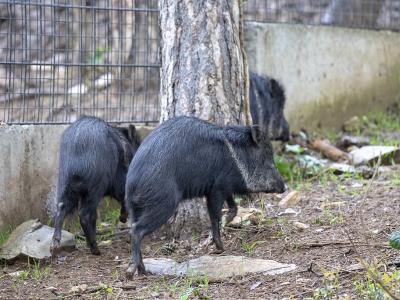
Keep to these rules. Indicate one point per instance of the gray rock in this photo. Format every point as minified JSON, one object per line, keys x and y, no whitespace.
{"x":217,"y":267}
{"x":350,"y":140}
{"x":340,"y":168}
{"x":33,"y":239}
{"x":370,"y":154}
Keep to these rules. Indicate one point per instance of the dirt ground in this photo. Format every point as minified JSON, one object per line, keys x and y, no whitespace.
{"x":327,"y":254}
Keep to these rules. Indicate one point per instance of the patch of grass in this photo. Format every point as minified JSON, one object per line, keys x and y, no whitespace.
{"x":5,"y":234}
{"x":33,"y":271}
{"x":249,"y":247}
{"x":368,"y":288}
{"x":331,"y":287}
{"x":192,"y":286}
{"x":382,"y":122}
{"x":109,"y":213}
{"x":330,"y":218}
{"x":395,"y":179}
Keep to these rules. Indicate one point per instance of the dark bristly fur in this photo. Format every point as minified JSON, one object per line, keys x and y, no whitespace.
{"x":94,"y":160}
{"x":267,"y":102}
{"x":186,"y":158}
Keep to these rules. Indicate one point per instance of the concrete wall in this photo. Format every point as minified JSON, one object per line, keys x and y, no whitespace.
{"x":28,"y":166}
{"x":330,"y":74}
{"x":28,"y":170}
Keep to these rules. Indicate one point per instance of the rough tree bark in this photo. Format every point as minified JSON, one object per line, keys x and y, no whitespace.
{"x":204,"y":74}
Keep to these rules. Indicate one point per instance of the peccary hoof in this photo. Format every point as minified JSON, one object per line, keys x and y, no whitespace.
{"x":95,"y":250}
{"x":133,"y":269}
{"x":55,"y":248}
{"x":123,"y":218}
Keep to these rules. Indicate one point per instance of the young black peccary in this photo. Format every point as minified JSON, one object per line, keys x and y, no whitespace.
{"x":267,"y":101}
{"x":94,"y":161}
{"x":186,"y":158}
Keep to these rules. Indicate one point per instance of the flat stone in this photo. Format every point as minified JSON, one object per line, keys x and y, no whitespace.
{"x":33,"y":239}
{"x":217,"y":267}
{"x":340,"y":168}
{"x":369,"y":154}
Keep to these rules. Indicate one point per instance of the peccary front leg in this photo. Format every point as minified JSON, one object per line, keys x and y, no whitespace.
{"x":87,"y":218}
{"x":214,"y":204}
{"x":233,"y":209}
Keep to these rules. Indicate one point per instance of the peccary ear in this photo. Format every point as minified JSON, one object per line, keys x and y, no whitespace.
{"x":256,"y":134}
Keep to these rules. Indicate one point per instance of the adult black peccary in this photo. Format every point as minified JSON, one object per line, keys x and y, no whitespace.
{"x":185,"y":158}
{"x":267,"y":102}
{"x":94,"y":161}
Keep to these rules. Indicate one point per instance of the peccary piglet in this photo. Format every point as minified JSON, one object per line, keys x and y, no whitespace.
{"x":94,"y":161}
{"x":267,"y":102}
{"x":185,"y":158}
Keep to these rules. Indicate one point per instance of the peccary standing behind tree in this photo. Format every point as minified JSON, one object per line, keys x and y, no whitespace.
{"x":94,"y":160}
{"x":185,"y":158}
{"x":267,"y":102}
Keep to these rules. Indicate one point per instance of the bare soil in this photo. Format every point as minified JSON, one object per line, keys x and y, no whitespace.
{"x":327,"y":253}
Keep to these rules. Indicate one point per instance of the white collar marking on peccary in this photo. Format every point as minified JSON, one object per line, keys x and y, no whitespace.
{"x":242,"y":169}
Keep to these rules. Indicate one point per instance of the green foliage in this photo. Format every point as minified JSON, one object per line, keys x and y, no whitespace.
{"x":367,"y":288}
{"x":249,"y":247}
{"x":98,"y":56}
{"x":5,"y":234}
{"x":331,"y":287}
{"x":395,"y":240}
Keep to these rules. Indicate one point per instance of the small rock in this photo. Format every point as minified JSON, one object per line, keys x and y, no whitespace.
{"x":255,"y":285}
{"x":105,"y":243}
{"x":332,"y":204}
{"x":78,"y":289}
{"x":51,"y":289}
{"x":289,"y":211}
{"x":340,"y":168}
{"x":300,"y":225}
{"x":15,"y":274}
{"x":319,"y":230}
{"x":33,"y":239}
{"x":357,"y":185}
{"x":243,"y":216}
{"x":350,"y":140}
{"x":352,"y":124}
{"x":290,"y":200}
{"x":277,"y":197}
{"x":303,"y":280}
{"x":371,"y":154}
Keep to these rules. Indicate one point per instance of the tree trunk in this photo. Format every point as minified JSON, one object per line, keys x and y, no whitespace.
{"x":203,"y":74}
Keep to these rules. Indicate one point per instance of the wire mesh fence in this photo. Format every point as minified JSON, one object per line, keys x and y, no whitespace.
{"x":63,"y":58}
{"x":367,"y":14}
{"x":60,"y":59}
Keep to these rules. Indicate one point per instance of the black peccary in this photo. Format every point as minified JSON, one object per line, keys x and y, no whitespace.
{"x":94,"y":161}
{"x":267,"y":102}
{"x":185,"y":158}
